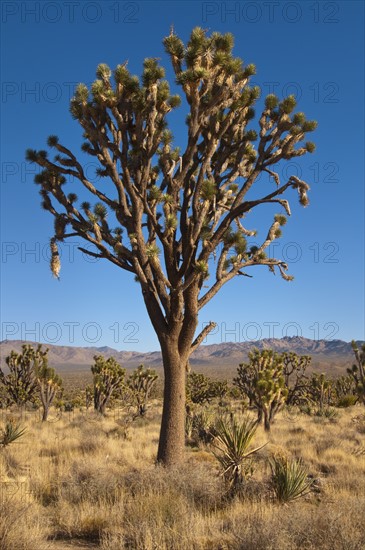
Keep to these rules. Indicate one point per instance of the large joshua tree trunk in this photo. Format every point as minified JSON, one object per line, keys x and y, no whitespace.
{"x":177,"y":343}
{"x":172,"y":434}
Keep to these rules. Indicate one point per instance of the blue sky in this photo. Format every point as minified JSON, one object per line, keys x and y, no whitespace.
{"x":312,"y":49}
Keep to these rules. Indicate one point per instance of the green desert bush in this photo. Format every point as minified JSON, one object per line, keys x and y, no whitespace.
{"x":289,"y":479}
{"x":348,"y":400}
{"x":232,"y":449}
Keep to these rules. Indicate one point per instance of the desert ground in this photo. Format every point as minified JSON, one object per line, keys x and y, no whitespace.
{"x":84,"y":481}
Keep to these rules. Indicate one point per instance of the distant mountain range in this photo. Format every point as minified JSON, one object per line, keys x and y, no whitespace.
{"x":332,"y":355}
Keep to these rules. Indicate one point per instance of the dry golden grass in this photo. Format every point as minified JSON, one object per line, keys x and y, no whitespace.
{"x":79,"y":483}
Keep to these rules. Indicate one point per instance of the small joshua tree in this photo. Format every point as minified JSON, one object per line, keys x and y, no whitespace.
{"x":262,"y":380}
{"x":220,"y":389}
{"x":358,"y":371}
{"x":108,"y":377}
{"x":201,"y":389}
{"x":295,"y":378}
{"x":21,"y":383}
{"x":320,"y":390}
{"x":141,"y":382}
{"x":49,"y":385}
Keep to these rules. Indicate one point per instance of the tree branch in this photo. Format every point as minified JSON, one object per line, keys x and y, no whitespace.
{"x":203,"y":334}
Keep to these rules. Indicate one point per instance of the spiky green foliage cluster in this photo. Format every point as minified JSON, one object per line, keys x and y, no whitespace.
{"x":152,"y":251}
{"x":108,"y":377}
{"x":289,"y":479}
{"x":262,"y":381}
{"x":232,"y":443}
{"x":10,"y":433}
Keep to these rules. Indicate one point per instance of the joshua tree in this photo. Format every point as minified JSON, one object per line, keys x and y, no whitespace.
{"x":262,"y":380}
{"x":294,"y":375}
{"x":220,"y":390}
{"x":170,"y":216}
{"x":20,"y":383}
{"x":199,"y":388}
{"x":108,"y":377}
{"x":141,"y":382}
{"x":345,"y":387}
{"x":358,"y":371}
{"x":320,"y":390}
{"x":49,"y":385}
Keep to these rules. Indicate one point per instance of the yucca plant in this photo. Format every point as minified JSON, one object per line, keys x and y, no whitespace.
{"x":11,"y":433}
{"x":232,"y":441}
{"x":203,"y":425}
{"x":289,"y":479}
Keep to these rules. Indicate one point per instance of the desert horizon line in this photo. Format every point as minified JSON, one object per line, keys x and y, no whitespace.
{"x":203,"y":345}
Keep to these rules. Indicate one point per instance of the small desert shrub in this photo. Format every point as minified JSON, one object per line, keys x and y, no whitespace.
{"x":289,"y":479}
{"x":348,"y":400}
{"x":327,"y":412}
{"x":306,"y":408}
{"x":232,"y":441}
{"x":261,"y":526}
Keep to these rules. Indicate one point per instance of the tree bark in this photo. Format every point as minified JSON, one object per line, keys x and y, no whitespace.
{"x":172,"y":435}
{"x":267,"y":425}
{"x":45,"y":413}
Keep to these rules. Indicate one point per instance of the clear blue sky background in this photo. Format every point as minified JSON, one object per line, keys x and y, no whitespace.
{"x":312,"y":49}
